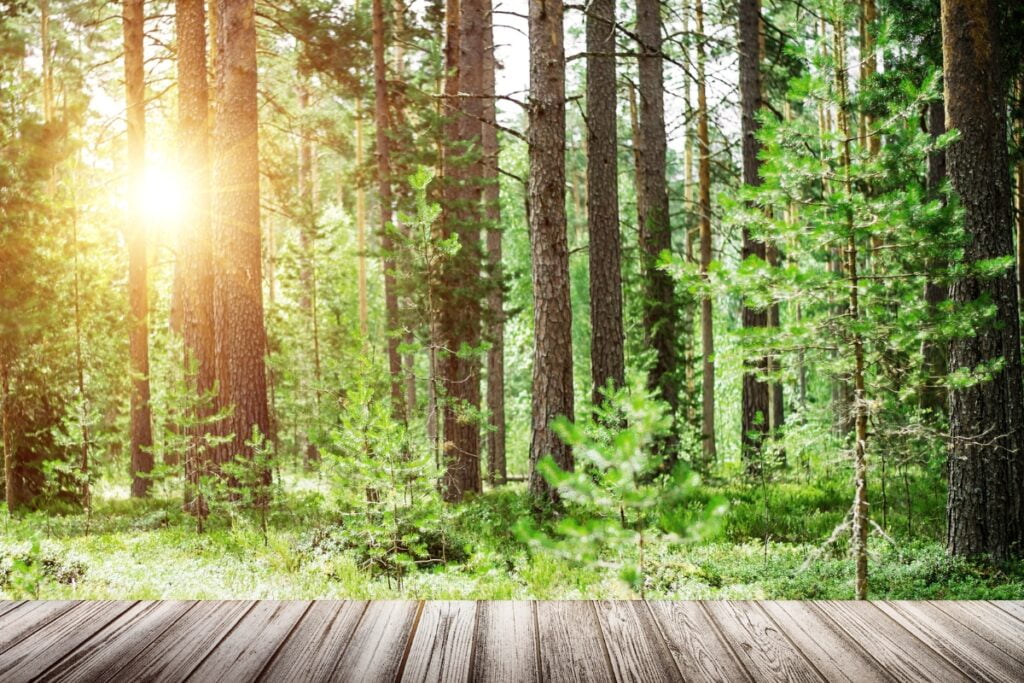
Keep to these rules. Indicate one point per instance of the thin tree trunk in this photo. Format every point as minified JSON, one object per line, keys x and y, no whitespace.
{"x":934,"y":395}
{"x":985,"y":510}
{"x":364,"y":315}
{"x":138,"y":289}
{"x":706,"y":320}
{"x":552,"y":316}
{"x":497,"y":472}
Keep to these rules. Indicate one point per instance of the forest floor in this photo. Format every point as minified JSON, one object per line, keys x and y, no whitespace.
{"x":150,"y":549}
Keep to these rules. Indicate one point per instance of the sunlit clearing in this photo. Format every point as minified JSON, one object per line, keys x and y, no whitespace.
{"x":162,"y":196}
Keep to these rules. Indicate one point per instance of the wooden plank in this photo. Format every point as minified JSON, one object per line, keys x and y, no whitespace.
{"x":252,"y":643}
{"x":694,"y":642}
{"x":570,"y":642}
{"x":442,"y":648}
{"x":506,"y":643}
{"x":9,"y":605}
{"x":1011,"y":607}
{"x":58,"y":638}
{"x":21,"y":622}
{"x":892,"y":646}
{"x":989,"y":622}
{"x":759,"y":643}
{"x":827,"y":646}
{"x":972,"y":654}
{"x":121,"y":640}
{"x":377,"y":647}
{"x":636,"y":648}
{"x":314,"y":647}
{"x":177,"y":651}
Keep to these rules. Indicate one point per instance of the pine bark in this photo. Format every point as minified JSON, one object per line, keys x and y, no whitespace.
{"x":241,"y":341}
{"x":985,"y":511}
{"x":133,"y":19}
{"x":552,"y":317}
{"x":933,"y":395}
{"x":709,"y":449}
{"x":607,"y":355}
{"x":755,"y":393}
{"x":661,"y":318}
{"x":497,"y":471}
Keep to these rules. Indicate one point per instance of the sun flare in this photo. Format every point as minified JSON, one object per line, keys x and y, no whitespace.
{"x":162,"y":197}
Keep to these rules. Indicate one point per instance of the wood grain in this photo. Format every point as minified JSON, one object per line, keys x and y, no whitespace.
{"x":760,"y":644}
{"x":506,"y":643}
{"x":895,"y":648}
{"x":694,"y":643}
{"x":826,"y":645}
{"x":1012,"y":608}
{"x":990,"y":622}
{"x":47,"y":645}
{"x":636,"y":647}
{"x":314,"y":647}
{"x":570,"y":643}
{"x":177,"y":651}
{"x":246,"y":649}
{"x":23,"y":621}
{"x":969,"y":652}
{"x":9,"y":605}
{"x":124,"y":638}
{"x":442,"y":648}
{"x":377,"y":647}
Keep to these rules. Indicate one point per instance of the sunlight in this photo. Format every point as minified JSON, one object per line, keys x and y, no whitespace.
{"x":162,"y":197}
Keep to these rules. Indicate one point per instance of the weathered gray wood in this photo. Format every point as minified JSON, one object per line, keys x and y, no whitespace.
{"x":9,"y":605}
{"x":177,"y":651}
{"x":902,"y":655}
{"x":21,"y":622}
{"x":693,"y":639}
{"x":570,"y":642}
{"x":761,"y":646}
{"x":33,"y":655}
{"x":989,"y":622}
{"x":506,"y":642}
{"x":971,"y":653}
{"x":246,"y":649}
{"x":122,"y":639}
{"x":636,"y":647}
{"x":378,"y":645}
{"x":1012,"y":608}
{"x":442,"y":647}
{"x":824,"y":643}
{"x":314,"y":647}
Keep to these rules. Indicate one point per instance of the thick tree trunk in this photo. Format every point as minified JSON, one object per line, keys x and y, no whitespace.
{"x":755,"y":395}
{"x":706,"y":319}
{"x":460,"y":306}
{"x":607,"y":337}
{"x":660,"y":312}
{"x":382,"y":120}
{"x":138,"y":290}
{"x":241,"y":341}
{"x":497,"y":472}
{"x":985,"y":512}
{"x":195,"y":259}
{"x":552,"y":313}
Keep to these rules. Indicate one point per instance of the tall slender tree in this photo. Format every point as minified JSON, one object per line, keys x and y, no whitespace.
{"x":707,"y":334}
{"x":607,"y":337}
{"x":133,"y":20}
{"x":985,"y":511}
{"x":241,"y":340}
{"x":660,"y":311}
{"x":552,"y":312}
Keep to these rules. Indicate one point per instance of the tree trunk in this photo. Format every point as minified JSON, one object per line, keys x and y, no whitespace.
{"x":660,"y":312}
{"x":364,"y":309}
{"x":706,"y":320}
{"x":460,"y":309}
{"x":607,"y":337}
{"x":138,"y":290}
{"x":552,"y":313}
{"x":934,"y":395}
{"x":241,"y":341}
{"x":755,"y":395}
{"x":497,"y":472}
{"x":985,"y":512}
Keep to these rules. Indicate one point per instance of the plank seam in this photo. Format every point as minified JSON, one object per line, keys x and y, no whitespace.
{"x":848,"y":637}
{"x":915,"y":637}
{"x":53,"y":617}
{"x":792,"y":643}
{"x":220,"y":640}
{"x":967,"y":624}
{"x":995,"y":603}
{"x":355,"y":627}
{"x":280,"y":645}
{"x":604,"y":640}
{"x":664,"y":638}
{"x":726,"y":641}
{"x":157,"y":637}
{"x":472,"y":641}
{"x":536,"y":642}
{"x":408,"y":641}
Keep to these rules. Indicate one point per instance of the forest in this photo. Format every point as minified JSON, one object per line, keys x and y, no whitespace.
{"x":491,"y":299}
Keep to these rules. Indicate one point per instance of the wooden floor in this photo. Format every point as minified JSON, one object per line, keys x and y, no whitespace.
{"x":511,"y":641}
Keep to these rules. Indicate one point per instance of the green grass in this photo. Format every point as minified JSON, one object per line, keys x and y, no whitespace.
{"x":150,"y":549}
